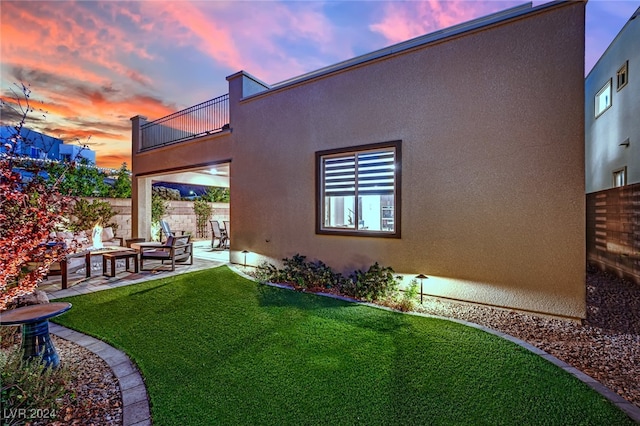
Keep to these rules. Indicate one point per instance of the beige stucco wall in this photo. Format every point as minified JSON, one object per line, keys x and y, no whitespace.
{"x":492,"y":130}
{"x":186,"y":155}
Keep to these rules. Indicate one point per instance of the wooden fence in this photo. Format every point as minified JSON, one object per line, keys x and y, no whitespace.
{"x":613,"y":230}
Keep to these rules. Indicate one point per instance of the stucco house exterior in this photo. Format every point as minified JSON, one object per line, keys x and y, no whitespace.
{"x":612,"y":155}
{"x":458,"y":154}
{"x":38,"y":145}
{"x":612,"y":108}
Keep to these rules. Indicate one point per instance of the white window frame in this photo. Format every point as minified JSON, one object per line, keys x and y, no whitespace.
{"x":356,"y":155}
{"x":620,"y":177}
{"x":599,"y":105}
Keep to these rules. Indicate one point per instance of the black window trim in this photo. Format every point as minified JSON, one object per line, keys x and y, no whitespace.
{"x":624,"y":69}
{"x":397,"y":145}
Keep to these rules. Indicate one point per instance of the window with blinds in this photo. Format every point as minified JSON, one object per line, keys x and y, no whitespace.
{"x":359,"y":190}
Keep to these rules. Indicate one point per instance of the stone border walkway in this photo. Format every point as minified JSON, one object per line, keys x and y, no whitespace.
{"x":135,"y":402}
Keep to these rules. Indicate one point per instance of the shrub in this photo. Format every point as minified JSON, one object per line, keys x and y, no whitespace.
{"x":158,"y":209}
{"x":30,"y":209}
{"x":407,"y":301}
{"x":300,"y":273}
{"x":216,"y":195}
{"x":376,"y":284}
{"x":86,"y":215}
{"x":296,"y":271}
{"x":265,"y":273}
{"x":31,"y":387}
{"x":203,"y":211}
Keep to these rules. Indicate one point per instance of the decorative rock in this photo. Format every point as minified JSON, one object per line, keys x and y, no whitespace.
{"x":35,"y":298}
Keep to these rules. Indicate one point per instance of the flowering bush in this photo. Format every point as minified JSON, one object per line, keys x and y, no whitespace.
{"x":29,"y":212}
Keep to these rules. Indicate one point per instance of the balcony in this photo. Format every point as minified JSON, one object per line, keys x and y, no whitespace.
{"x":206,"y":118}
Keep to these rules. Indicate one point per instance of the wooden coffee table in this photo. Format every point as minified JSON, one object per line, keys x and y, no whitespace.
{"x":112,"y":256}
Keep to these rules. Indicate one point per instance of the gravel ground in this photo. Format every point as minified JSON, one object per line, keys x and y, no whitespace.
{"x":606,"y":346}
{"x":93,"y":396}
{"x":98,"y":398}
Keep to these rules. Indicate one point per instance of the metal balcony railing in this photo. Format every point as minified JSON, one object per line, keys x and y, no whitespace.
{"x":205,"y":118}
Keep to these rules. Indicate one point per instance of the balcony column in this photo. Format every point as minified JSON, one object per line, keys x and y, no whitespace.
{"x":140,"y":187}
{"x":141,"y":207}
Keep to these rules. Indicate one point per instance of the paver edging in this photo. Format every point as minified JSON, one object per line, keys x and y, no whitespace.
{"x":135,"y":408}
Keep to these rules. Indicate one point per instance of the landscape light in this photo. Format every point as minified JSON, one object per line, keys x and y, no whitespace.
{"x":421,"y":277}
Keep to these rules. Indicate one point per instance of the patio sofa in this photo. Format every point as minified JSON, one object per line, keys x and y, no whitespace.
{"x":83,"y":238}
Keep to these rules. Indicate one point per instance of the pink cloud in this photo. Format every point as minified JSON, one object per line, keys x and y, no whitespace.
{"x":246,"y":35}
{"x":73,"y":40}
{"x":185,"y":23}
{"x":406,"y":20}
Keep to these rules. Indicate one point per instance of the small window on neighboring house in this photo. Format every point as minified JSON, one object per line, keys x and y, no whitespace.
{"x":620,"y":177}
{"x":34,"y":152}
{"x":623,"y":75}
{"x":358,"y":190}
{"x":603,"y":99}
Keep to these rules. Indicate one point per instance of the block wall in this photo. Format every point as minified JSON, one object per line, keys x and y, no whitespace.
{"x":180,"y":215}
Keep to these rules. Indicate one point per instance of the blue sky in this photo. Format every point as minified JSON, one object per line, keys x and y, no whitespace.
{"x":94,"y":64}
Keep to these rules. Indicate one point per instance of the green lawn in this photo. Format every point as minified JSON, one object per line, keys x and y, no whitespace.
{"x":216,"y":348}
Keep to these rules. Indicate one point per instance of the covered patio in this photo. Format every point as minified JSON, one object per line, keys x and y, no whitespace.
{"x":204,"y":257}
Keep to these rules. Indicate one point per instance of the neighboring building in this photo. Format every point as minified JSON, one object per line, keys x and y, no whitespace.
{"x":76,"y":153}
{"x":32,"y":144}
{"x":612,"y":113}
{"x":38,"y":145}
{"x":458,"y":154}
{"x":612,"y":155}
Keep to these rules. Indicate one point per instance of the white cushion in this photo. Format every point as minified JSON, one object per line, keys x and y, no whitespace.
{"x":107,"y":234}
{"x":136,"y":246}
{"x":65,"y":235}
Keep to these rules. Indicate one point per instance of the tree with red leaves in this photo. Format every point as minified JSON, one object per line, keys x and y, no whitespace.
{"x":30,"y":209}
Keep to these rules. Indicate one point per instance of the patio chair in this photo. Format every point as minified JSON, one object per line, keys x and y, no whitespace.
{"x":217,"y":232}
{"x":176,"y":249}
{"x":227,"y":232}
{"x":166,"y":229}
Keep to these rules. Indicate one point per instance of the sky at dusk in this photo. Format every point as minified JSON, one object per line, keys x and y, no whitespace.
{"x":92,"y":65}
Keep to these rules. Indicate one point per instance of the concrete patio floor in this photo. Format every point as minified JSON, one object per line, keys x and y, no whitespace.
{"x":204,"y":258}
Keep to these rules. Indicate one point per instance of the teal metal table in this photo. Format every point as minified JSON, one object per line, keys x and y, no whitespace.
{"x":36,"y":341}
